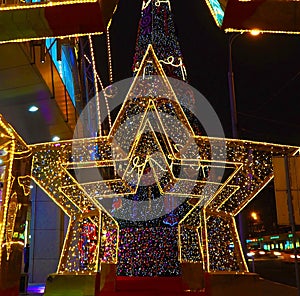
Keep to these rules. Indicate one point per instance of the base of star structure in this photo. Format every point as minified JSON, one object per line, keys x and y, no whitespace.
{"x":10,"y":269}
{"x":193,"y":282}
{"x":82,"y":284}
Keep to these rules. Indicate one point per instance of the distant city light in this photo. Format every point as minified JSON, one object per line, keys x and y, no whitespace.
{"x":33,"y":108}
{"x":55,"y":138}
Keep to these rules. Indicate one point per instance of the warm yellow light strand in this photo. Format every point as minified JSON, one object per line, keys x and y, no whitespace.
{"x":109,"y":57}
{"x":104,"y":94}
{"x":96,"y":86}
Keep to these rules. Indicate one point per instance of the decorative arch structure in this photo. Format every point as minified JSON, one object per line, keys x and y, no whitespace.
{"x":207,"y":234}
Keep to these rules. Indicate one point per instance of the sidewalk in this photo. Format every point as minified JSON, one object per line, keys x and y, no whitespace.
{"x":263,"y":288}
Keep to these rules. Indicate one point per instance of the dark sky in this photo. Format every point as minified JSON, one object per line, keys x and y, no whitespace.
{"x":266,"y":69}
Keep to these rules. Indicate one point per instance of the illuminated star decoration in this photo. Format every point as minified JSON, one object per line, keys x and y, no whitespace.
{"x":135,"y":144}
{"x":210,"y":224}
{"x":15,"y":166}
{"x":50,"y":173}
{"x":207,"y":233}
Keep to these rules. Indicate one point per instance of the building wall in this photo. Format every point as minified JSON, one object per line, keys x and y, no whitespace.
{"x":47,"y":228}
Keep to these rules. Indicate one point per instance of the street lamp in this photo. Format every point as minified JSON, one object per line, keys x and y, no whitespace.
{"x":234,"y":128}
{"x":234,"y":119}
{"x":231,"y":87}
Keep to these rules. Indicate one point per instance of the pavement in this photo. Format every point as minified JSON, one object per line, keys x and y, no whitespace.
{"x":263,"y":288}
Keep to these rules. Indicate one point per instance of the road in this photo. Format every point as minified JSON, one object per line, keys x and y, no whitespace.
{"x":275,"y":270}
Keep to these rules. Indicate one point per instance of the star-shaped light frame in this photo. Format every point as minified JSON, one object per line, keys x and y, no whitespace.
{"x":15,"y":164}
{"x":207,"y":231}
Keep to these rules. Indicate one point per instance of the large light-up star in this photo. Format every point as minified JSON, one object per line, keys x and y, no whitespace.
{"x":50,"y":173}
{"x":147,"y":112}
{"x":217,"y":177}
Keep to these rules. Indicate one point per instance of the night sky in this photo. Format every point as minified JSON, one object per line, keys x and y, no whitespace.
{"x":266,"y":70}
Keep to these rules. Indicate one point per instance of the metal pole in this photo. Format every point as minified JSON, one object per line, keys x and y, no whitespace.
{"x":292,"y":218}
{"x":232,"y":88}
{"x":253,"y":265}
{"x":234,"y":125}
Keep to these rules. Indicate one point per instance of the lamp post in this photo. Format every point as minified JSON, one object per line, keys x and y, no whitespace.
{"x":234,"y":119}
{"x":234,"y":126}
{"x":231,"y":87}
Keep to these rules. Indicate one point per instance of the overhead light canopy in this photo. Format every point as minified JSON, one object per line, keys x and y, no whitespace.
{"x":42,"y":19}
{"x":270,"y":16}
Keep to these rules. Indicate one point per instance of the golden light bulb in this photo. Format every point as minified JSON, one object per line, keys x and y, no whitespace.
{"x":255,"y":32}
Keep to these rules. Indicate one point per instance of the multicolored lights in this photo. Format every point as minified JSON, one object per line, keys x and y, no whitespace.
{"x":187,"y":212}
{"x":206,"y":229}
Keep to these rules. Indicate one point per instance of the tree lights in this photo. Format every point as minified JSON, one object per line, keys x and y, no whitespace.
{"x":152,"y":193}
{"x":206,"y":208}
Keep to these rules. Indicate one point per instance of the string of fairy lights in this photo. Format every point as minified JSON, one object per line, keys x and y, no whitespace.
{"x":180,"y":222}
{"x":148,"y":250}
{"x":15,"y":163}
{"x":27,"y":10}
{"x":218,"y":11}
{"x":52,"y":169}
{"x":156,"y":27}
{"x":82,"y":244}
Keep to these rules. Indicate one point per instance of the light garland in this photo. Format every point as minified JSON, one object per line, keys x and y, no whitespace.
{"x":110,"y":69}
{"x":16,"y":163}
{"x":231,"y":30}
{"x":42,"y":4}
{"x":103,"y":92}
{"x":196,"y":217}
{"x":96,"y":86}
{"x":204,"y":218}
{"x":51,"y":173}
{"x":23,"y":9}
{"x":156,"y":27}
{"x":75,"y":35}
{"x":219,"y":208}
{"x":218,"y":11}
